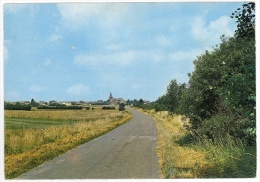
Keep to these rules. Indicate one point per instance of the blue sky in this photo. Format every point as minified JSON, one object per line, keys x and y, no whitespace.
{"x":84,"y":51}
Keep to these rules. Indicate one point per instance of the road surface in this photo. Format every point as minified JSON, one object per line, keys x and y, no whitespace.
{"x":127,"y":152}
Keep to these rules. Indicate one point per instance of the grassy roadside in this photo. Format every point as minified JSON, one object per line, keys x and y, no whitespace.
{"x":182,"y":157}
{"x":30,"y":147}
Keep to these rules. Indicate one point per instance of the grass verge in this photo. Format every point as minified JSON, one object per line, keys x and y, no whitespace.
{"x":181,"y":156}
{"x":28,"y":148}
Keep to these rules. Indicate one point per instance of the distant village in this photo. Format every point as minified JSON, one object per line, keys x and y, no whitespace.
{"x":110,"y":101}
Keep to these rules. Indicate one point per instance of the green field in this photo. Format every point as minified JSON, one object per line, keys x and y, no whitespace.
{"x":45,"y":118}
{"x":26,"y":123}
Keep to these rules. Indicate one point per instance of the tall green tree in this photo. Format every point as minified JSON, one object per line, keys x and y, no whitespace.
{"x":128,"y":102}
{"x":222,"y":86}
{"x":33,"y":103}
{"x":140,"y":103}
{"x":161,"y":104}
{"x":245,"y":20}
{"x":174,"y":94}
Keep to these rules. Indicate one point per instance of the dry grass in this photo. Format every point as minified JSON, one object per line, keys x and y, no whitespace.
{"x":176,"y":161}
{"x":27,"y":148}
{"x":62,"y":115}
{"x":180,"y":156}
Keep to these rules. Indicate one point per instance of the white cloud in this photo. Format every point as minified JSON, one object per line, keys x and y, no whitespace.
{"x":47,"y":62}
{"x":79,"y":90}
{"x":163,"y":41}
{"x":209,"y":35}
{"x":36,"y":88}
{"x":107,"y":16}
{"x":123,"y":58}
{"x":7,"y":45}
{"x":119,"y":59}
{"x":75,"y":15}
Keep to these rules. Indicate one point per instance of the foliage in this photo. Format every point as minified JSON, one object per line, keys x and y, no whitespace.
{"x":121,"y":107}
{"x":174,"y":94}
{"x":161,"y":103}
{"x":223,"y":83}
{"x":128,"y":102}
{"x":33,"y":103}
{"x":134,"y":102}
{"x":172,"y":99}
{"x":108,"y":108}
{"x":139,"y":103}
{"x":17,"y":106}
{"x":148,"y":106}
{"x":245,"y":20}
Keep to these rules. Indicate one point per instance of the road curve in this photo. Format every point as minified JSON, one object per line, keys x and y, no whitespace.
{"x":127,"y":152}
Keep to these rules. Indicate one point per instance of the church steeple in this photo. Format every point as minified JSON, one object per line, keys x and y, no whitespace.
{"x":110,"y":97}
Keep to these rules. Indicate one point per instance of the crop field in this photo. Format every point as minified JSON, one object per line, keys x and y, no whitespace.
{"x":33,"y":137}
{"x":45,"y":118}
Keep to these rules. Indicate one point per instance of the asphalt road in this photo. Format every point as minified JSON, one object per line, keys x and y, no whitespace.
{"x":127,"y":152}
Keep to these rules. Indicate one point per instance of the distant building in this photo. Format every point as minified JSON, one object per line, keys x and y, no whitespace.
{"x":25,"y":102}
{"x":115,"y":101}
{"x":75,"y":103}
{"x":43,"y":103}
{"x":51,"y":102}
{"x":146,"y":101}
{"x":82,"y":102}
{"x":67,"y":103}
{"x":111,"y":100}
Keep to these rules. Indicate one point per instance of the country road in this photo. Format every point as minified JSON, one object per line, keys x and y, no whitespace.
{"x":127,"y":152}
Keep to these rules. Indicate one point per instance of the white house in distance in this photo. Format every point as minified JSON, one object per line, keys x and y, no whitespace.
{"x":53,"y":102}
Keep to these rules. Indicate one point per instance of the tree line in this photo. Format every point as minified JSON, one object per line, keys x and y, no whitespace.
{"x":220,"y":96}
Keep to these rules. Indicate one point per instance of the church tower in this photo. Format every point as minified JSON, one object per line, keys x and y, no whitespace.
{"x":111,"y":99}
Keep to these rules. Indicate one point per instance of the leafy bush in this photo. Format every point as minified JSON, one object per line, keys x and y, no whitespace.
{"x":121,"y":107}
{"x":223,"y":83}
{"x":17,"y":106}
{"x":161,"y":103}
{"x":148,"y":106}
{"x":219,"y":126}
{"x":108,"y":108}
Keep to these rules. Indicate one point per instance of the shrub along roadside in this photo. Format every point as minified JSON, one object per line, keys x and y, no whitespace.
{"x":108,"y":108}
{"x":183,"y":156}
{"x":228,"y":158}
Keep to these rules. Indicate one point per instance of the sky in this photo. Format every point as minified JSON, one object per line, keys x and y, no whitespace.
{"x":84,"y":51}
